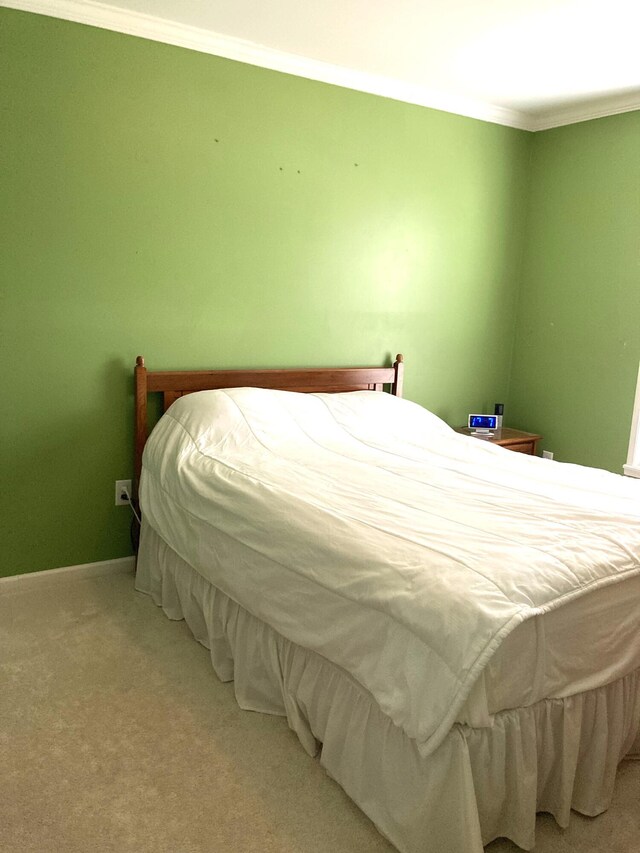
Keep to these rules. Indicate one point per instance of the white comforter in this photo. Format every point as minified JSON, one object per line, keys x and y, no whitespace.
{"x":380,"y":538}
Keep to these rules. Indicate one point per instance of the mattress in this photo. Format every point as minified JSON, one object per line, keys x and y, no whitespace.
{"x":591,"y":641}
{"x":420,"y":561}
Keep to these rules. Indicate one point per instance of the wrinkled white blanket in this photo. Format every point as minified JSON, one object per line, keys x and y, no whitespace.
{"x":380,"y":538}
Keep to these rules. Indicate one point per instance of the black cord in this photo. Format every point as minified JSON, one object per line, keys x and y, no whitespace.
{"x":134,"y":532}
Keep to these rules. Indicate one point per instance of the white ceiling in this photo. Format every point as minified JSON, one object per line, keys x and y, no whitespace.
{"x":525,"y":63}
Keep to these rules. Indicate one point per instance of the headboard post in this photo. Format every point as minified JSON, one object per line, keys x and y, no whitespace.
{"x":141,"y":419}
{"x":398,"y":368}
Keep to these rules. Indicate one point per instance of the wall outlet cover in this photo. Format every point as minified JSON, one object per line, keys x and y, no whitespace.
{"x":121,"y":485}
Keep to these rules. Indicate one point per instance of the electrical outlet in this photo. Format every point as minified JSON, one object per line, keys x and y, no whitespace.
{"x":547,"y":454}
{"x":121,"y":498}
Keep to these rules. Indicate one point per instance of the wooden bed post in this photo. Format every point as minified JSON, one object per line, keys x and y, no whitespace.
{"x":141,"y":419}
{"x":398,"y":367}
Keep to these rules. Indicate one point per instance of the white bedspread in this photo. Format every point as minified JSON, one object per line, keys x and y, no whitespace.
{"x":378,"y":537}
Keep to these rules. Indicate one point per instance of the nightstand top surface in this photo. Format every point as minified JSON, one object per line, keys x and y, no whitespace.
{"x":504,"y":435}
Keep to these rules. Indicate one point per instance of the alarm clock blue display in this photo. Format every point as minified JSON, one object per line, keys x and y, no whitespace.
{"x":483,"y":422}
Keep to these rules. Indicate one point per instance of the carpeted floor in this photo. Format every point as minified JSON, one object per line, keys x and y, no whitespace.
{"x":115,"y":735}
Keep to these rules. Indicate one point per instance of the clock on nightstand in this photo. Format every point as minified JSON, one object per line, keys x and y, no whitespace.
{"x":512,"y":439}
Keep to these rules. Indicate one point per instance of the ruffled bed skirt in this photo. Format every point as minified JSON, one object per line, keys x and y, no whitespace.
{"x":480,"y":784}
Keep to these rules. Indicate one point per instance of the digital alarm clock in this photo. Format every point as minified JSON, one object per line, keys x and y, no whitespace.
{"x":483,"y":423}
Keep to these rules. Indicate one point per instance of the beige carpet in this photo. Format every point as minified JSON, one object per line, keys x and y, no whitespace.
{"x":115,"y":735}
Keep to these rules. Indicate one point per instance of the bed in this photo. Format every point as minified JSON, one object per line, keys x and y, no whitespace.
{"x":454,"y":628}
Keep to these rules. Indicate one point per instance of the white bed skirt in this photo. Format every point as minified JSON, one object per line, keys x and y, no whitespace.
{"x":480,"y":784}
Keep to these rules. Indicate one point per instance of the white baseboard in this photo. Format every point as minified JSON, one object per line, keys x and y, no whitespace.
{"x":18,"y":583}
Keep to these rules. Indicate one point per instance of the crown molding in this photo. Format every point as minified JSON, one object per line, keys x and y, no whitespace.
{"x":132,"y":23}
{"x":574,"y":113}
{"x":194,"y":38}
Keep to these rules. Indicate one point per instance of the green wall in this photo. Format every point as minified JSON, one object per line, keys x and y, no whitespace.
{"x":206,"y":213}
{"x":577,"y":343}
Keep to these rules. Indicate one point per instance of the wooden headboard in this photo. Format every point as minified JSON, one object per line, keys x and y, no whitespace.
{"x":177,"y":383}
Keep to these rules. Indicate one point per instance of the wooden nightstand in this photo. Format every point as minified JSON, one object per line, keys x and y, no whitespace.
{"x":512,"y":439}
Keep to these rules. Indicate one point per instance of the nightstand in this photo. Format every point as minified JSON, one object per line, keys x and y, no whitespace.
{"x":512,"y":439}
